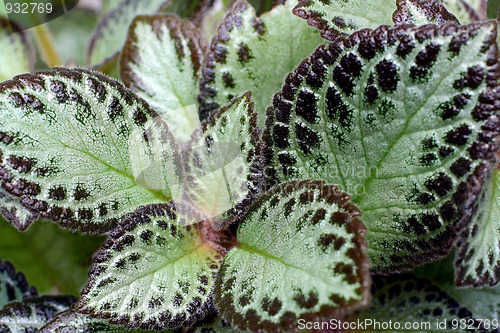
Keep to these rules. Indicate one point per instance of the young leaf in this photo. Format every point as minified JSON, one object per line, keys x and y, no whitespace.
{"x":223,"y":167}
{"x":414,"y":304}
{"x":420,"y":12}
{"x":13,"y":286}
{"x":161,"y":61}
{"x":404,"y":120}
{"x":51,"y":258}
{"x":72,"y":321}
{"x":152,"y":273}
{"x":478,"y":255}
{"x":71,"y":141}
{"x":17,"y":55}
{"x":111,"y":32}
{"x":467,"y":10}
{"x":301,"y":254}
{"x":251,"y":53}
{"x":32,"y":313}
{"x":337,"y":17}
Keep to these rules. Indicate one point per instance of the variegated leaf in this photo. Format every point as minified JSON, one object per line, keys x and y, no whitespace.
{"x":223,"y":167}
{"x":111,"y":32}
{"x":152,"y":273}
{"x":251,"y":53}
{"x":17,"y":55}
{"x":420,"y":12}
{"x":467,"y":10}
{"x":13,"y":286}
{"x":81,"y":149}
{"x":338,"y":17}
{"x":404,"y":120}
{"x":33,"y":313}
{"x":161,"y":62}
{"x":301,"y":255}
{"x":478,"y":256}
{"x":414,"y":304}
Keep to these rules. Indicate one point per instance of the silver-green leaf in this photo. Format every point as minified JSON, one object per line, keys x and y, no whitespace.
{"x":467,"y":10}
{"x":77,"y":147}
{"x":152,"y":273}
{"x":161,"y":62}
{"x":404,"y":120}
{"x":254,"y":53}
{"x":13,"y":285}
{"x":33,"y":313}
{"x":301,"y":254}
{"x":478,"y":255}
{"x":17,"y":55}
{"x":420,"y":12}
{"x":338,"y":17}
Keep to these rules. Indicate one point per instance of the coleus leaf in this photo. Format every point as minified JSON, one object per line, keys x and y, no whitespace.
{"x":51,"y":258}
{"x":18,"y":54}
{"x":405,"y":300}
{"x":255,"y":54}
{"x":420,"y":12}
{"x":72,"y":143}
{"x":301,"y":254}
{"x":161,"y":62}
{"x":404,"y":120}
{"x":32,"y":313}
{"x":337,"y":17}
{"x":223,"y":166}
{"x":13,"y":286}
{"x":111,"y":32}
{"x":72,"y":321}
{"x":478,"y":255}
{"x":152,"y":273}
{"x":467,"y":10}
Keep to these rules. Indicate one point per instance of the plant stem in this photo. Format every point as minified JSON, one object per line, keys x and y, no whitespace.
{"x":45,"y":44}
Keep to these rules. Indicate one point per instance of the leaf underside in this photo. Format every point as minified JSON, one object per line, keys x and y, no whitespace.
{"x":66,"y":138}
{"x":251,"y":53}
{"x":223,"y":165}
{"x":32,"y":313}
{"x":478,"y":255}
{"x":467,"y":10}
{"x":404,"y":299}
{"x":13,"y":286}
{"x":301,"y":254}
{"x":151,"y":273}
{"x":111,"y":32}
{"x":402,"y":119}
{"x":338,"y":17}
{"x":420,"y":12}
{"x":161,"y":62}
{"x":18,"y":55}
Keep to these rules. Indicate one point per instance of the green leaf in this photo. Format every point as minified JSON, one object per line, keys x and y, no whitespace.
{"x":33,"y":313}
{"x":18,"y":54}
{"x":76,"y":146}
{"x":402,"y":119}
{"x":420,"y":12}
{"x":301,"y":254}
{"x":467,"y":10}
{"x":223,"y":167}
{"x":13,"y":286}
{"x":109,"y":5}
{"x":72,"y":321}
{"x":414,"y":304}
{"x":51,"y":258}
{"x":478,"y":255}
{"x":251,"y":53}
{"x":152,"y":273}
{"x":161,"y":61}
{"x":111,"y":32}
{"x":337,"y":17}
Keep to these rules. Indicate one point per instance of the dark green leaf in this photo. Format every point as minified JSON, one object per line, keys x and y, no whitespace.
{"x":403,"y":119}
{"x":13,"y":286}
{"x":301,"y":255}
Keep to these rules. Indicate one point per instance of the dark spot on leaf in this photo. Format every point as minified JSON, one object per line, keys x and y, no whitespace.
{"x":351,"y":64}
{"x":458,"y":136}
{"x":448,"y":211}
{"x":431,"y":221}
{"x":461,"y":167}
{"x":59,"y":90}
{"x":337,"y":109}
{"x":146,"y":236}
{"x":306,"y":137}
{"x":271,"y":307}
{"x":228,"y":80}
{"x":428,"y":55}
{"x":428,"y":159}
{"x":343,"y":80}
{"x":139,"y":117}
{"x":80,"y":193}
{"x":306,"y":106}
{"x":280,"y":136}
{"x":406,"y":45}
{"x":244,"y":53}
{"x":440,"y":185}
{"x":115,"y":109}
{"x":306,"y":303}
{"x":388,"y":76}
{"x":57,"y":193}
{"x":472,"y":79}
{"x":445,"y":151}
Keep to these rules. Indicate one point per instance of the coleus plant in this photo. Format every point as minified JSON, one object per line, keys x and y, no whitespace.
{"x":342,"y":143}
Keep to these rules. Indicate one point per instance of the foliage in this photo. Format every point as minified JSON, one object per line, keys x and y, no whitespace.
{"x":308,"y":166}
